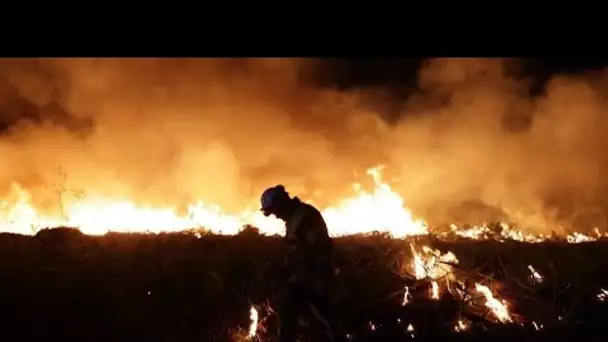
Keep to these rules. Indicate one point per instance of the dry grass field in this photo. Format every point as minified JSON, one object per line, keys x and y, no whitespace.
{"x":62,"y":285}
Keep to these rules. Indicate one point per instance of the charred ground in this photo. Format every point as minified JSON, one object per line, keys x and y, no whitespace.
{"x":62,"y":285}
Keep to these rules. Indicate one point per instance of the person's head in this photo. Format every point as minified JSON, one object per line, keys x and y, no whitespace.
{"x":276,"y":201}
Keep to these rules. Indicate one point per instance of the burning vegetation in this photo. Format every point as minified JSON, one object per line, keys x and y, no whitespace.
{"x":184,"y":286}
{"x":171,"y":144}
{"x":484,"y":176}
{"x":380,"y":210}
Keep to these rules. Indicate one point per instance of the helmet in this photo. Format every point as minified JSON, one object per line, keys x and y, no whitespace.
{"x":271,"y":196}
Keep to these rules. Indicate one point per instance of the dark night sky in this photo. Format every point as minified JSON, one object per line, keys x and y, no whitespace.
{"x":398,"y":76}
{"x":402,"y":71}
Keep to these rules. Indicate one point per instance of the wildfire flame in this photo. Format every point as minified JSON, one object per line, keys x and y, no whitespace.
{"x":431,"y":264}
{"x":497,"y":307}
{"x":253,"y":316}
{"x":434,"y":290}
{"x":406,"y":296}
{"x":410,"y":329}
{"x":460,"y":326}
{"x":603,"y":295}
{"x":379,"y":210}
{"x":535,"y":275}
{"x":372,"y":326}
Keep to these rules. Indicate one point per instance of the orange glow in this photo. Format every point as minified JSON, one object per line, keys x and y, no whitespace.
{"x":380,"y":209}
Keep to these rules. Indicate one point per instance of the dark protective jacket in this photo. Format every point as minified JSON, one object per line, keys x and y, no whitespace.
{"x":309,"y":260}
{"x":309,"y":247}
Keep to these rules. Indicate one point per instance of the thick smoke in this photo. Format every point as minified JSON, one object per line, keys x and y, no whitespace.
{"x":172,"y":131}
{"x":475,"y":135}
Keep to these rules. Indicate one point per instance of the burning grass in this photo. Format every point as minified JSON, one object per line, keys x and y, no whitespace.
{"x":182,"y":287}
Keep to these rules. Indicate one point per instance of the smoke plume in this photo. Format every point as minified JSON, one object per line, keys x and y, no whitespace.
{"x":471,"y":143}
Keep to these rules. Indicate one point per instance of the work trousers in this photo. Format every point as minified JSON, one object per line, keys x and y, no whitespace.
{"x":309,"y":296}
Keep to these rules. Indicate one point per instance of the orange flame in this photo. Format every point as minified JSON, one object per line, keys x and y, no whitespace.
{"x":434,"y":290}
{"x":379,"y":210}
{"x":460,"y":326}
{"x":535,"y":275}
{"x":498,"y":308}
{"x":253,"y":316}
